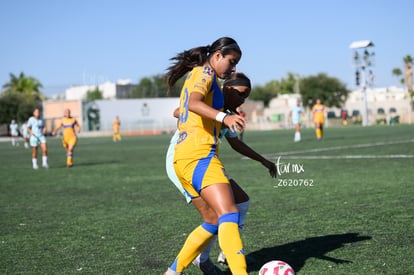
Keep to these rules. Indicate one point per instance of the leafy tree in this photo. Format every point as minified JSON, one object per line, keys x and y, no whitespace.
{"x":265,"y":93}
{"x":16,"y":106}
{"x":155,"y":87}
{"x":289,"y":85}
{"x":20,"y":96}
{"x":94,"y":94}
{"x":329,"y":90}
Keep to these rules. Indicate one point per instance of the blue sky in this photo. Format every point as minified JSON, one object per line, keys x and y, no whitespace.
{"x":64,"y":43}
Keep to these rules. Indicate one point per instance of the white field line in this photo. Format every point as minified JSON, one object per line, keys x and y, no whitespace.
{"x":352,"y":157}
{"x":316,"y":150}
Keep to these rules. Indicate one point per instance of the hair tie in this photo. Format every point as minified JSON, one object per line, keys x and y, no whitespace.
{"x":232,"y":46}
{"x":208,"y":48}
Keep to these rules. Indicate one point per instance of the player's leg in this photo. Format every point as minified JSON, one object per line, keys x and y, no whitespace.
{"x":69,"y":151}
{"x":220,"y":198}
{"x":242,"y":201}
{"x":201,"y":177}
{"x":199,"y":238}
{"x":203,"y":261}
{"x":26,"y":142}
{"x":297,"y":132}
{"x":318,"y":131}
{"x":321,"y":127}
{"x":13,"y":140}
{"x":34,"y":157}
{"x":43,"y":146}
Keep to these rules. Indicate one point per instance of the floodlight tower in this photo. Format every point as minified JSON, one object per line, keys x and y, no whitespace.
{"x":361,"y":62}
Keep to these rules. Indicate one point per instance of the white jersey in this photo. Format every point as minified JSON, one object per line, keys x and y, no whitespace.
{"x":14,"y":129}
{"x":36,"y":125}
{"x":23,"y":128}
{"x":297,"y":112}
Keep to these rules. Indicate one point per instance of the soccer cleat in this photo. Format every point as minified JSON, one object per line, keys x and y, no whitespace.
{"x":221,"y":259}
{"x":45,"y":165}
{"x":35,"y":166}
{"x":209,"y":268}
{"x":172,"y":272}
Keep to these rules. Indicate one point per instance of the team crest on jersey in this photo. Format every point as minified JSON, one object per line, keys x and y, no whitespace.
{"x":207,"y":70}
{"x":182,"y":137}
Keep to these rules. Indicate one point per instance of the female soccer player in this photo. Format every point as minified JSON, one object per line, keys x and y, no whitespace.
{"x":235,"y":89}
{"x":14,"y":133}
{"x":69,"y":139}
{"x":295,"y":116}
{"x":116,"y":124}
{"x":25,"y":134}
{"x":37,"y":129}
{"x":195,"y":160}
{"x":318,"y":112}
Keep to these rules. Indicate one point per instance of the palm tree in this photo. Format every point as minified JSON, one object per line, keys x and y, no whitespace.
{"x":408,"y":78}
{"x":408,"y":72}
{"x":397,"y":73}
{"x":27,"y":86}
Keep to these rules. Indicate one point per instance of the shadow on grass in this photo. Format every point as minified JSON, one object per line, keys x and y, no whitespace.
{"x":93,"y":163}
{"x":296,"y":253}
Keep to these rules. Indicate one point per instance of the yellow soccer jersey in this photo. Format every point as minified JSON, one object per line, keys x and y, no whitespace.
{"x":198,"y":135}
{"x":68,"y":125}
{"x":115,"y":125}
{"x":318,"y":111}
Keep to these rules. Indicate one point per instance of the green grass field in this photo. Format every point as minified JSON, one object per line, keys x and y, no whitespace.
{"x":116,"y":212}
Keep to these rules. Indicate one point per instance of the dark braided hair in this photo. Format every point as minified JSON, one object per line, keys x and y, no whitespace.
{"x":187,"y":60}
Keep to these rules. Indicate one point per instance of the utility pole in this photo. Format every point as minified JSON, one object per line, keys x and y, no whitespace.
{"x":362,"y":62}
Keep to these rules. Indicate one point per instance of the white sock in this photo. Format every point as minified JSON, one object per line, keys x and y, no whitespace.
{"x":44,"y":160}
{"x":297,"y":136}
{"x":34,"y":161}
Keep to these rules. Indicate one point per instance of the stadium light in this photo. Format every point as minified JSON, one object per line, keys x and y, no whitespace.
{"x":362,"y":61}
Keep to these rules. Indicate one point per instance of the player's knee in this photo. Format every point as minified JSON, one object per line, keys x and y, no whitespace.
{"x":229,"y":217}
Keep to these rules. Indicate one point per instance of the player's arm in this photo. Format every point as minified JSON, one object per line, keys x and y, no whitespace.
{"x":77,"y":125}
{"x":197,"y":105}
{"x":29,"y":129}
{"x":176,"y":112}
{"x":244,"y":149}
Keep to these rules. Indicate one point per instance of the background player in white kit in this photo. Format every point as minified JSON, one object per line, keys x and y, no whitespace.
{"x":37,"y":129}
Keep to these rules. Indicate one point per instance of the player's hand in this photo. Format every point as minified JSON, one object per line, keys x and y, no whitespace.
{"x":271,"y":167}
{"x":235,"y":122}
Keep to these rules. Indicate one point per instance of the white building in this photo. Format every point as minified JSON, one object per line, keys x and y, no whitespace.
{"x":109,"y":90}
{"x":391,"y":101}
